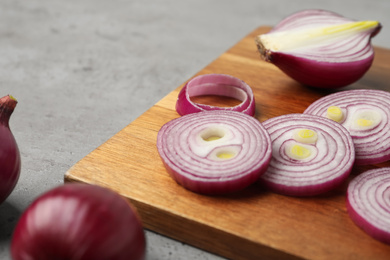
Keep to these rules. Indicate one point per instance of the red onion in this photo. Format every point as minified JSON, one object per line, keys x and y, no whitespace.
{"x":9,"y":151}
{"x":365,"y":113}
{"x":215,"y":84}
{"x":320,"y":48}
{"x":368,"y":202}
{"x":79,"y":222}
{"x":310,"y":155}
{"x":214,"y":152}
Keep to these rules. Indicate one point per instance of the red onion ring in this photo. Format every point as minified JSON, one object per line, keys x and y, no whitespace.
{"x":215,"y":84}
{"x":236,"y":158}
{"x":330,"y":61}
{"x":371,"y":145}
{"x":368,"y":203}
{"x":330,"y":160}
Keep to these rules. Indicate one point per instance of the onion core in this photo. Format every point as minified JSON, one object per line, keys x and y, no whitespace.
{"x":214,"y":152}
{"x":219,"y":85}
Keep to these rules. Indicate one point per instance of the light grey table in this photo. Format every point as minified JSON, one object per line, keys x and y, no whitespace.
{"x":82,"y":70}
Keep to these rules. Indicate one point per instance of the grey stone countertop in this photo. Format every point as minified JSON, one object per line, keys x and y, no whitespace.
{"x":83,"y":70}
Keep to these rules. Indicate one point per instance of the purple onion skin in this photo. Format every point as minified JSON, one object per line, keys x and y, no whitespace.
{"x":327,"y":75}
{"x":79,"y":222}
{"x":10,"y":162}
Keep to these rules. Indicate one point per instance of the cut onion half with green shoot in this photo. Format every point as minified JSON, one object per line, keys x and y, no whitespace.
{"x":365,"y":113}
{"x":214,"y":152}
{"x":368,"y":202}
{"x":320,"y":48}
{"x":217,"y":85}
{"x":311,"y":155}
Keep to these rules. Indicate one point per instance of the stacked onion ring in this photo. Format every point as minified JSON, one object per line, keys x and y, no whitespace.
{"x":214,"y":152}
{"x":368,"y":202}
{"x":365,"y":113}
{"x":310,"y":155}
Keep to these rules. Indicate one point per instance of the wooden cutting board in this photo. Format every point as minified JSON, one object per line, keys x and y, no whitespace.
{"x":253,"y":223}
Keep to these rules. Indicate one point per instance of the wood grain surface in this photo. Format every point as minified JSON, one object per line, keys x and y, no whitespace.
{"x":253,"y":223}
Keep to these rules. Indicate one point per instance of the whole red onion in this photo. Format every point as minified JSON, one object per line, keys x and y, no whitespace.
{"x":79,"y":222}
{"x":9,"y":151}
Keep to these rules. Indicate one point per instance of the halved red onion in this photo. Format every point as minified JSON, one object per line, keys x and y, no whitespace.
{"x":310,"y":155}
{"x":214,"y":152}
{"x":320,"y":48}
{"x":365,"y":113}
{"x":219,"y":85}
{"x":368,"y":202}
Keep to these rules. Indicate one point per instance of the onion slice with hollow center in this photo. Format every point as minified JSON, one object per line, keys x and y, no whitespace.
{"x":368,"y":202}
{"x":365,"y":113}
{"x":214,"y":152}
{"x":219,"y":85}
{"x":320,"y":48}
{"x":310,"y":155}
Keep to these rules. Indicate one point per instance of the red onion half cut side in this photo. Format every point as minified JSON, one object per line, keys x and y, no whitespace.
{"x":219,"y":85}
{"x":310,"y":155}
{"x":320,"y":48}
{"x":368,"y":202}
{"x":214,"y":152}
{"x":365,"y":113}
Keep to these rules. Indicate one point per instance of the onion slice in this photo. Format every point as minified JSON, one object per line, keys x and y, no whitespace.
{"x":215,"y":84}
{"x":310,"y":155}
{"x":368,"y":202}
{"x":320,"y":48}
{"x":365,"y":113}
{"x":214,"y":152}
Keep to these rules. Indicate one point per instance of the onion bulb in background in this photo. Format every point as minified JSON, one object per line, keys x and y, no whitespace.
{"x":320,"y":48}
{"x":79,"y":222}
{"x":9,"y":151}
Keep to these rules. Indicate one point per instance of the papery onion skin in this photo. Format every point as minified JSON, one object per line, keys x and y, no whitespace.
{"x":215,"y":84}
{"x":177,"y":142}
{"x":79,"y":222}
{"x":322,"y":173}
{"x":326,"y":67}
{"x":368,"y":203}
{"x":371,"y":146}
{"x":10,"y":162}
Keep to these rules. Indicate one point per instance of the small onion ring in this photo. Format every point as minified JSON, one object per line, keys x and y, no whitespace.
{"x":215,"y":84}
{"x":329,"y":167}
{"x":193,"y":161}
{"x":368,"y":202}
{"x":372,"y":146}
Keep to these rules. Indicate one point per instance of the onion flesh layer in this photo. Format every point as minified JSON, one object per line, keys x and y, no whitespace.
{"x":310,"y":155}
{"x":368,"y":202}
{"x":320,"y":48}
{"x":219,"y":85}
{"x":365,"y":113}
{"x":214,"y":152}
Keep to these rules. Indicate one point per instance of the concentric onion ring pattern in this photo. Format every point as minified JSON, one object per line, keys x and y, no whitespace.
{"x":328,"y":163}
{"x":372,"y":144}
{"x":214,"y":152}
